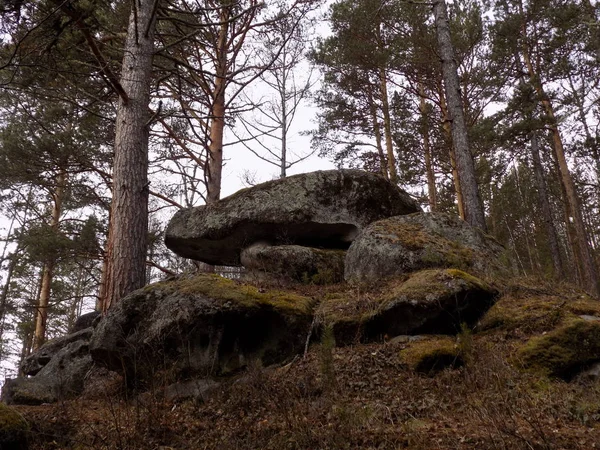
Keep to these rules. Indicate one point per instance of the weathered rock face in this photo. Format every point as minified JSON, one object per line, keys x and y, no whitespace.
{"x":59,"y":368}
{"x":303,"y":264}
{"x":201,"y":326}
{"x":323,"y":209}
{"x":405,"y":244}
{"x":86,"y":321}
{"x":428,"y":302}
{"x":40,"y":358}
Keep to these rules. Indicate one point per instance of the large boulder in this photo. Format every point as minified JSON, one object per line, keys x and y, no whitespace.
{"x":434,"y":301}
{"x":565,"y":351}
{"x":42,"y":356}
{"x":324,"y":209}
{"x":405,"y":244}
{"x":304,"y":264}
{"x":199,"y":326}
{"x":65,"y":363}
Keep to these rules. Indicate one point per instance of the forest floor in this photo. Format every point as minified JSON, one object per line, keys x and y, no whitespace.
{"x":355,"y":397}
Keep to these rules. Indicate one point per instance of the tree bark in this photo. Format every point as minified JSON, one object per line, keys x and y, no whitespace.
{"x":474,"y":214}
{"x":377,"y":132}
{"x":448,"y":131}
{"x":387,"y":127}
{"x":427,"y":150}
{"x":545,"y":207}
{"x":217,"y":114}
{"x":579,"y":238}
{"x":129,"y":208}
{"x":48,"y":270}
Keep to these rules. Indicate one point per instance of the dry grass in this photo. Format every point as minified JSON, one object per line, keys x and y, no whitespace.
{"x":355,"y":397}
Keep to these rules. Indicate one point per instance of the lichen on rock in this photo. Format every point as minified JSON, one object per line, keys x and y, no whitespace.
{"x":200,"y":326}
{"x":408,"y":243}
{"x":323,"y":209}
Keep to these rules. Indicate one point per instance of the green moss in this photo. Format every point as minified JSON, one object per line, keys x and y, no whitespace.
{"x":437,"y":251}
{"x":432,"y":355}
{"x":13,"y":429}
{"x":434,"y":282}
{"x":226,"y":290}
{"x":349,"y":312}
{"x":562,"y":352}
{"x":531,"y":310}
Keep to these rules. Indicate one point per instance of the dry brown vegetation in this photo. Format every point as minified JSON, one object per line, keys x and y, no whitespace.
{"x":363,"y":396}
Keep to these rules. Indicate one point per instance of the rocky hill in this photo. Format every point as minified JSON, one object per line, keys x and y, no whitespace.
{"x":360,"y":322}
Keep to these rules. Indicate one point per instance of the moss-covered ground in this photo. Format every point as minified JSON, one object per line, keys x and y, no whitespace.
{"x":368,"y":396}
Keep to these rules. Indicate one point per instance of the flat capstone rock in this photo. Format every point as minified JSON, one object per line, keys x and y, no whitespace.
{"x":324,"y":209}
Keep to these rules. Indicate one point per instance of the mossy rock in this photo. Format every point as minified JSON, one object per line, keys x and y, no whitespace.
{"x":14,"y":429}
{"x":297,"y":263}
{"x":405,"y":244}
{"x":434,"y":301}
{"x":565,"y":351}
{"x":200,"y":326}
{"x":227,"y":293}
{"x":323,"y":209}
{"x":433,"y":354}
{"x":532,"y":309}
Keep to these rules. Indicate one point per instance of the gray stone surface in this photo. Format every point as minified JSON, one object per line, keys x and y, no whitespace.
{"x":199,"y":326}
{"x":324,"y":209}
{"x":41,"y":357}
{"x":405,"y":244}
{"x":62,"y":377}
{"x":86,"y":321}
{"x":304,"y":264}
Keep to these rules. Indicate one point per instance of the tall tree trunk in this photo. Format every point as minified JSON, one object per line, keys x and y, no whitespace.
{"x":545,"y":207}
{"x":48,"y":270}
{"x":474,"y":214}
{"x":427,"y":150}
{"x":129,"y":208}
{"x":284,"y":131}
{"x":217,"y":114}
{"x":377,"y":132}
{"x":448,"y":132}
{"x":581,"y":250}
{"x":387,"y":127}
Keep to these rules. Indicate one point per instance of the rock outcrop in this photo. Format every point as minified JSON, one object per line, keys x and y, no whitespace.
{"x":408,"y":243}
{"x":295,"y":262}
{"x":187,"y":331}
{"x":200,"y":326}
{"x":58,"y":370}
{"x":565,"y":351}
{"x":323,"y":209}
{"x":428,"y":302}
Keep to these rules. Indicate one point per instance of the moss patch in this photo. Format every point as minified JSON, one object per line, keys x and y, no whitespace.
{"x":564,"y":351}
{"x":434,"y":283}
{"x":431,"y":355}
{"x":436,"y":251}
{"x":527,"y":310}
{"x":13,"y":429}
{"x":226,"y":290}
{"x":361,"y":314}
